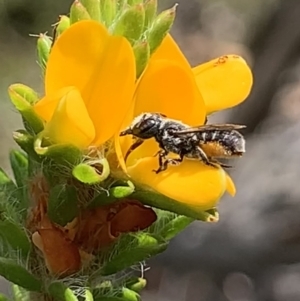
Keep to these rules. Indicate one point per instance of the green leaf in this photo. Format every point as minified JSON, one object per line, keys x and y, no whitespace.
{"x":10,"y":197}
{"x":88,"y":295}
{"x":19,"y":165}
{"x":3,"y":297}
{"x":17,"y":274}
{"x":61,"y":292}
{"x":88,"y":174}
{"x":131,"y":23}
{"x":13,"y":237}
{"x":169,"y":224}
{"x":78,"y":12}
{"x":19,"y":97}
{"x":162,"y":202}
{"x":62,"y":204}
{"x":130,"y":250}
{"x":160,"y":28}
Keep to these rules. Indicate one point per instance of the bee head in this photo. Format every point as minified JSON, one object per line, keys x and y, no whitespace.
{"x":144,"y":126}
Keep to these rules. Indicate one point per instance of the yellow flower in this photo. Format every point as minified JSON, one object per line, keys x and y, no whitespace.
{"x":89,"y":84}
{"x":91,"y":94}
{"x":170,"y":86}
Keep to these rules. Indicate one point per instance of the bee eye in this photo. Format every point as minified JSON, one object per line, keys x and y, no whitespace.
{"x":146,"y":128}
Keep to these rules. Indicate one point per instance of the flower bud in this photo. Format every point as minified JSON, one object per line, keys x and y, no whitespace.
{"x":108,"y":10}
{"x":93,"y":8}
{"x":142,"y":54}
{"x":131,"y":23}
{"x":130,"y":295}
{"x":26,"y":141}
{"x":134,"y":2}
{"x":136,"y":284}
{"x":160,"y":27}
{"x":59,"y":291}
{"x":64,"y":154}
{"x":88,"y":174}
{"x":150,"y":12}
{"x":63,"y":24}
{"x":78,"y":12}
{"x":119,"y":192}
{"x":19,"y":95}
{"x":43,"y":47}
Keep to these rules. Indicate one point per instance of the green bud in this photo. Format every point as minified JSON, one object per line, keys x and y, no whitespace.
{"x":150,"y":12}
{"x":17,"y":274}
{"x":18,"y":98}
{"x":93,"y":8}
{"x":121,"y":5}
{"x":160,"y":28}
{"x":62,"y":204}
{"x":136,"y":284}
{"x":142,"y":54}
{"x":130,"y":295}
{"x":130,"y":250}
{"x":134,"y":2}
{"x":62,"y":25}
{"x":88,"y":295}
{"x":19,"y":293}
{"x":26,"y":142}
{"x":25,"y":92}
{"x":78,"y":12}
{"x":60,"y":292}
{"x":122,"y":191}
{"x":43,"y":47}
{"x":13,"y":238}
{"x":64,"y":154}
{"x":131,"y":23}
{"x":108,"y":10}
{"x":88,"y":174}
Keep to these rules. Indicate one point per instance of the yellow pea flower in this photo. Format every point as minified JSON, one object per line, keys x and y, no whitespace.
{"x":91,"y":93}
{"x":170,"y":86}
{"x":89,"y":85}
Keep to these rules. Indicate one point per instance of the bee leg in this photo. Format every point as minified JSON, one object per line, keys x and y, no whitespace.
{"x":163,"y":165}
{"x":135,"y":145}
{"x":162,"y":161}
{"x":220,"y":163}
{"x":175,"y":161}
{"x":203,"y":157}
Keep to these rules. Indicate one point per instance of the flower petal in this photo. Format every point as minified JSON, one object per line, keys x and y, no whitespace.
{"x":230,"y":187}
{"x":46,"y":106}
{"x":224,"y":82}
{"x":101,"y":67}
{"x":168,"y":88}
{"x":61,"y":255}
{"x":191,"y":183}
{"x":70,"y":122}
{"x":169,"y":50}
{"x":131,"y":218}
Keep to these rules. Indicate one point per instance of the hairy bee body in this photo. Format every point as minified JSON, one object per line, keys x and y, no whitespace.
{"x":204,"y":143}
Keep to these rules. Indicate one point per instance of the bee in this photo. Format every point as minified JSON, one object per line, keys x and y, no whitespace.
{"x":206,"y":143}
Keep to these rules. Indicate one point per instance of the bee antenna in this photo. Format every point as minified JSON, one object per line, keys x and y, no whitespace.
{"x":126,"y":132}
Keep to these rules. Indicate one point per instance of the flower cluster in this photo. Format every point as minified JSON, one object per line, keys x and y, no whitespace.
{"x":86,"y":210}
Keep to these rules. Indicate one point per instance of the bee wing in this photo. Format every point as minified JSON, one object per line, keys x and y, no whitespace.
{"x":210,"y":127}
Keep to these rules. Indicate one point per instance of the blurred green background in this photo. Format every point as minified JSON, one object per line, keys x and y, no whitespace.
{"x":253,"y":253}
